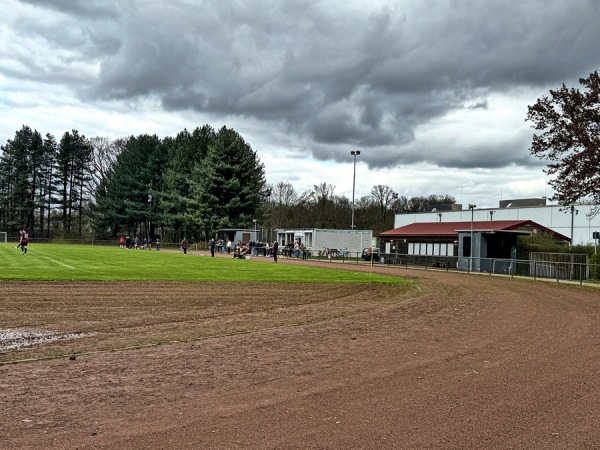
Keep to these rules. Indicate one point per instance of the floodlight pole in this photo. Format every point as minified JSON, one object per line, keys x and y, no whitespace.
{"x":573,"y":212}
{"x":354,"y":153}
{"x":471,"y":207}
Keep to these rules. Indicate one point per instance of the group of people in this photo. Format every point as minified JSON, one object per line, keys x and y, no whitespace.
{"x":256,"y":248}
{"x":23,"y":241}
{"x":136,"y":244}
{"x":295,"y":250}
{"x":242,"y":249}
{"x":239,"y":250}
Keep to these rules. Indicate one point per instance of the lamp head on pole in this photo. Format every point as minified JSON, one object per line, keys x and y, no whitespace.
{"x":355,"y":152}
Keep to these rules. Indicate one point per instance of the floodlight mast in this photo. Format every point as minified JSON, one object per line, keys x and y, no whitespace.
{"x":471,"y":207}
{"x":354,"y":153}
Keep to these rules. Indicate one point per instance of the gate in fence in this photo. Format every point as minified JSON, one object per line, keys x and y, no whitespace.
{"x":562,"y":266}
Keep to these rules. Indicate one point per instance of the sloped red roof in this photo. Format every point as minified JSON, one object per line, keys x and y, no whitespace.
{"x":450,"y":229}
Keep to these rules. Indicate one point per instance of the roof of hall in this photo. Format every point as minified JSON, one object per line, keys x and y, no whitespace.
{"x":451,"y":229}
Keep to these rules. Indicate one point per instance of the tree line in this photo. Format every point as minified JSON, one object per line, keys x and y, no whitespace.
{"x":190,"y":185}
{"x":44,"y":183}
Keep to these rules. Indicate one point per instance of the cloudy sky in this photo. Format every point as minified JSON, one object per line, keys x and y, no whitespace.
{"x":433,"y":93}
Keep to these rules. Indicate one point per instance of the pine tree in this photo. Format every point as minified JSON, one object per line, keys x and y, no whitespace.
{"x":72,"y":170}
{"x":14,"y":169}
{"x":122,"y":201}
{"x":46,"y":191}
{"x":230,"y":185}
{"x":185,"y":153}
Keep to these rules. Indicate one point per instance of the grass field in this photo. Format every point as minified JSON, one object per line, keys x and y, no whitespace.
{"x":57,"y":262}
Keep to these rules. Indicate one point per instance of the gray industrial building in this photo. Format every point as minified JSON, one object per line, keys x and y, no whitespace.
{"x":578,"y":222}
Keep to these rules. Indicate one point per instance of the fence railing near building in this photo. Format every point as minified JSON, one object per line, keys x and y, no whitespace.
{"x":565,"y":266}
{"x":559,"y":269}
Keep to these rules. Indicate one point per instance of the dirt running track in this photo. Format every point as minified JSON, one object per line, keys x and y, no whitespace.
{"x":458,"y":362}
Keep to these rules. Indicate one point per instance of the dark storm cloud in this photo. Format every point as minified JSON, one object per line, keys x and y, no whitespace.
{"x":336,"y":75}
{"x":488,"y":156}
{"x":83,"y":9}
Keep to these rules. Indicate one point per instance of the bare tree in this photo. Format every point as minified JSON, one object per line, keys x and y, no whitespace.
{"x":384,"y":197}
{"x":322,"y":199}
{"x":104,"y":158}
{"x":422,"y":204}
{"x":283,"y":200}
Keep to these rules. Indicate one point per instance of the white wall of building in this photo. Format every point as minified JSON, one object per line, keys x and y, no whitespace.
{"x":549,"y":216}
{"x":317,"y":239}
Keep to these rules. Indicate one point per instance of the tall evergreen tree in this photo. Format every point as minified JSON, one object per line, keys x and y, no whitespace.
{"x":25,"y":168}
{"x":47,"y":187}
{"x":36,"y":168}
{"x":185,"y":152}
{"x":7,"y":173}
{"x":230,"y":185}
{"x":123,"y":202}
{"x":72,"y":173}
{"x":15,"y":170}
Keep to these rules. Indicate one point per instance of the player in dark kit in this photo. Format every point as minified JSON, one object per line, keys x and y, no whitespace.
{"x":24,"y":241}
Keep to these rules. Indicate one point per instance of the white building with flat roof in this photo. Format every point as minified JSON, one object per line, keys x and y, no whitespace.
{"x":318,"y":239}
{"x":578,"y":223}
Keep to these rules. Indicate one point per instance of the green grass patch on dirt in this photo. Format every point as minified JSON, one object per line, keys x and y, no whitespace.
{"x":58,"y":262}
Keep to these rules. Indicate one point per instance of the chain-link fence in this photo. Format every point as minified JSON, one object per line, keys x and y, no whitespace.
{"x":572,"y":270}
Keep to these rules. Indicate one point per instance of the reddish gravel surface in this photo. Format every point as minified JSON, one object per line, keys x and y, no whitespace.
{"x":457,"y":362}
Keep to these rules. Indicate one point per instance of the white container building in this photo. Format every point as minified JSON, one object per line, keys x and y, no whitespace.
{"x":318,"y":239}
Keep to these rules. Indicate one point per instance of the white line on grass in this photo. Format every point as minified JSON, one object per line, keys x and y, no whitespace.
{"x":58,"y":262}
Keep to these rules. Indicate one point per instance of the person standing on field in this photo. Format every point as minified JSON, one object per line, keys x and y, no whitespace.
{"x":24,"y":241}
{"x":275,"y":249}
{"x":184,"y":245}
{"x":20,"y":239}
